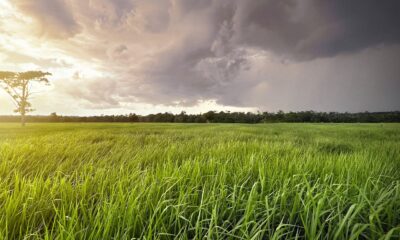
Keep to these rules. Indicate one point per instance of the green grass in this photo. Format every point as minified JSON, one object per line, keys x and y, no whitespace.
{"x":196,"y":181}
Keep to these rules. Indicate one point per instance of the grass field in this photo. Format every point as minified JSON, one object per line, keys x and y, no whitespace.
{"x":184,"y":181}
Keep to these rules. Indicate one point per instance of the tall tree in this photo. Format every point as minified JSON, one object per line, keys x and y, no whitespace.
{"x":19,"y":87}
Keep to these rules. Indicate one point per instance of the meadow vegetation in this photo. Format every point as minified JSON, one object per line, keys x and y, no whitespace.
{"x":196,"y":181}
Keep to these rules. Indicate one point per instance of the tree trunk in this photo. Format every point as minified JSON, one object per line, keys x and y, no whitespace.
{"x":23,"y":104}
{"x":23,"y":120}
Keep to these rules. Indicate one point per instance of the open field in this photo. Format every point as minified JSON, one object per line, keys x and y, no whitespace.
{"x":185,"y":181}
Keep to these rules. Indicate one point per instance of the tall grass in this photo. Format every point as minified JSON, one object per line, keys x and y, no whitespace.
{"x":171,"y":181}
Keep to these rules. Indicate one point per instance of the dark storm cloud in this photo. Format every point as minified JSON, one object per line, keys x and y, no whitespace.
{"x":268,"y":54}
{"x":361,"y":24}
{"x":180,"y":73}
{"x":310,"y":29}
{"x":213,"y":52}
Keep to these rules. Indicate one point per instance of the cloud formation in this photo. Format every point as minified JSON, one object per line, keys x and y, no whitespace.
{"x":267,"y":54}
{"x":52,"y":18}
{"x":311,"y":29}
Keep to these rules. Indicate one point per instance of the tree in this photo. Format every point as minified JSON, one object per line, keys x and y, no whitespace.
{"x":53,"y":117}
{"x":19,"y":86}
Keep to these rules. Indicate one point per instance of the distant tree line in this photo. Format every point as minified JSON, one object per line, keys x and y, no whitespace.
{"x":224,"y":117}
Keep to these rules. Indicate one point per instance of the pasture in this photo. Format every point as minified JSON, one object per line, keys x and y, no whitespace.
{"x":198,"y":181}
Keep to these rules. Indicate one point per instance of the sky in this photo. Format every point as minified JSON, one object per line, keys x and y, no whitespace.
{"x":149,"y":56}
